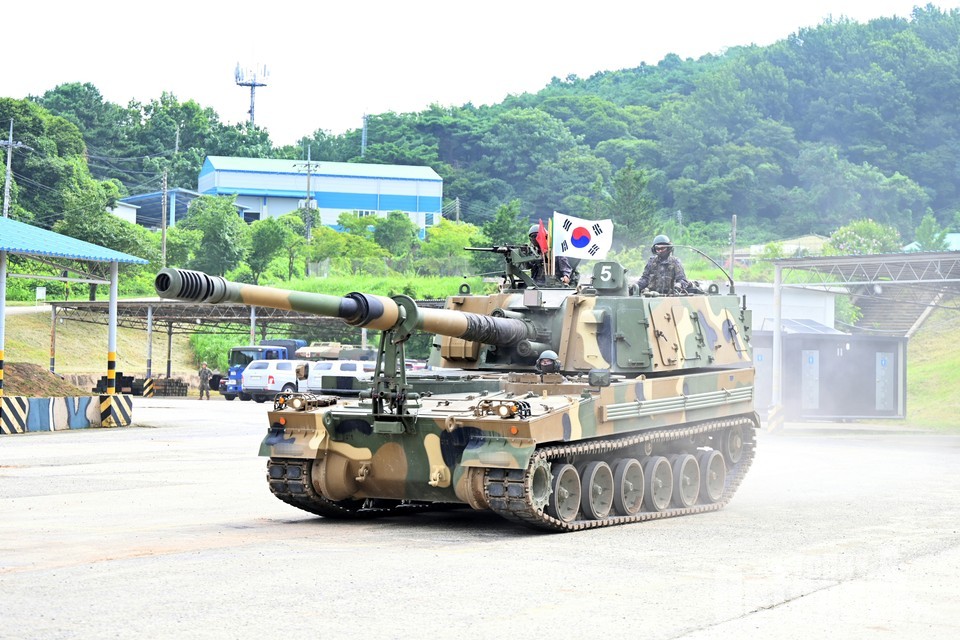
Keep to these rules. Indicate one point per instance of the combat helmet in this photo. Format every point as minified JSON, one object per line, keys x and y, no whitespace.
{"x":661,"y":241}
{"x":549,"y":362}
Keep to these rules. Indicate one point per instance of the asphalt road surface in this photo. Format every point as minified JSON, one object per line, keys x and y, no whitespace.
{"x":167,"y":530}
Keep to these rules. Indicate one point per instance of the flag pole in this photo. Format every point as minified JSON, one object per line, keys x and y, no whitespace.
{"x":550,"y":261}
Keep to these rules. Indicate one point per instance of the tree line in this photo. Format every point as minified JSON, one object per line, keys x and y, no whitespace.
{"x":836,"y":124}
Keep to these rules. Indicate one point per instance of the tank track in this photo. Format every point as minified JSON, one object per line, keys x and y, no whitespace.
{"x":289,"y":481}
{"x":507,"y":493}
{"x":506,"y":489}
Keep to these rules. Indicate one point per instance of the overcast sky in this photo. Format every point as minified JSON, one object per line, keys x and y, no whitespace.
{"x":329,"y":63}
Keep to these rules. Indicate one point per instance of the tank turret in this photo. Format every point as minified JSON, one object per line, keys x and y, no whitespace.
{"x":597,"y":326}
{"x":570,"y":408}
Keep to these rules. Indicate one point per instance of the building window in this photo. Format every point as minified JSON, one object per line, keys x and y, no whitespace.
{"x":364,"y":213}
{"x":428,"y":219}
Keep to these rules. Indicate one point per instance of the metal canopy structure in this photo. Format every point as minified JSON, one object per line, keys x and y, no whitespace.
{"x":51,"y":248}
{"x":910,"y":278}
{"x":183,"y":317}
{"x":922,"y":278}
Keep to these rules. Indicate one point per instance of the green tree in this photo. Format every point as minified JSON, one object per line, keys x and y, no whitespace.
{"x":226,"y":237}
{"x":182,"y":245}
{"x":267,"y":238}
{"x":398,"y":236}
{"x":521,"y":140}
{"x":864,"y":237}
{"x":363,"y":256}
{"x":352,"y":223}
{"x":443,"y":251}
{"x":294,"y":241}
{"x":930,"y":236}
{"x":508,"y":225}
{"x":327,"y":244}
{"x":629,"y":205}
{"x":565,"y":183}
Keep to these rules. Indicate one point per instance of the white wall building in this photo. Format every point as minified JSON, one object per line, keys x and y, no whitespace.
{"x":126,"y":211}
{"x":271,"y":188}
{"x":795,"y":304}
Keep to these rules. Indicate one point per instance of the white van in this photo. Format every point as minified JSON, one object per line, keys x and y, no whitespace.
{"x":340,"y":377}
{"x":264,"y":379}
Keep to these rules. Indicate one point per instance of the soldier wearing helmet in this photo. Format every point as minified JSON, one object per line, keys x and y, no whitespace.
{"x":549,"y":362}
{"x":562,"y":268}
{"x":663,"y":270}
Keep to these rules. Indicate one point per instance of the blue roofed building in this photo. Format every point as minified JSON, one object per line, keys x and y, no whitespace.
{"x":271,"y":188}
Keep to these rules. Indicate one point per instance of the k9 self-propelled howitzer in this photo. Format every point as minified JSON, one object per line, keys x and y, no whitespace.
{"x":574,"y":408}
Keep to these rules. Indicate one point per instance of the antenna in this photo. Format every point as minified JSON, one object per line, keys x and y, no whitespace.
{"x":251,"y":77}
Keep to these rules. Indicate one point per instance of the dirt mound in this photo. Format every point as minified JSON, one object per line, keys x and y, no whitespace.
{"x":33,"y":381}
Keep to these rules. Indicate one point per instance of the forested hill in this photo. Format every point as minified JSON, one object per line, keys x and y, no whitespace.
{"x":835,"y":123}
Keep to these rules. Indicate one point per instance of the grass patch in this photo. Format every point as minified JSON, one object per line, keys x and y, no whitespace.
{"x":81,"y":347}
{"x":933,"y":372}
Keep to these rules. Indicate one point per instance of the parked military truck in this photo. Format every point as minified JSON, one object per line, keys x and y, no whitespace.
{"x":324,"y":350}
{"x":608,"y":408}
{"x":230,"y":386}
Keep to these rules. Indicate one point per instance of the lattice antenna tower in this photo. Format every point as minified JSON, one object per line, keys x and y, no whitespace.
{"x":252,"y":77}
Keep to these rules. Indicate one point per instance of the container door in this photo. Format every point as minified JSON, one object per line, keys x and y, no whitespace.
{"x":810,"y":379}
{"x":886,"y":381}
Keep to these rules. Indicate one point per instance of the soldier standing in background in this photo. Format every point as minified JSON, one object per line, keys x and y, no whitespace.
{"x":205,"y":375}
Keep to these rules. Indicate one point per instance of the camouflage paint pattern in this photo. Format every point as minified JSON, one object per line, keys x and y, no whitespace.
{"x":672,"y":360}
{"x":454,"y":433}
{"x":622,"y":334}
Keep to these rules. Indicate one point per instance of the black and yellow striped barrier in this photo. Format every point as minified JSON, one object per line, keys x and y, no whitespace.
{"x":116,"y":410}
{"x":775,"y":417}
{"x":148,"y":388}
{"x":13,"y":414}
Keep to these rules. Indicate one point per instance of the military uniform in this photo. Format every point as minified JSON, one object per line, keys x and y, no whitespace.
{"x":562,"y":269}
{"x":661,"y":274}
{"x":205,"y":375}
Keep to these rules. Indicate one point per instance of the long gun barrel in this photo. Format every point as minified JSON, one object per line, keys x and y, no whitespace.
{"x":355,"y":309}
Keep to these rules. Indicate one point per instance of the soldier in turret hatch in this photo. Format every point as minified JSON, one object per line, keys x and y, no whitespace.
{"x":562,"y":268}
{"x":664,"y":270}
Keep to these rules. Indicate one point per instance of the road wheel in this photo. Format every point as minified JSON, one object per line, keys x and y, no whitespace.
{"x":597,"y":488}
{"x":659,"y":483}
{"x":628,"y":486}
{"x":565,"y":498}
{"x":228,"y":396}
{"x":732,"y":445}
{"x":713,"y":475}
{"x":686,"y":478}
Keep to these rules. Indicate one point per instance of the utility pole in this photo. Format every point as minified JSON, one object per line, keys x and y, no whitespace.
{"x":309,"y":204}
{"x":363,"y":136}
{"x":252,"y":78}
{"x":733,"y":243}
{"x":163,"y":223}
{"x":10,"y":145}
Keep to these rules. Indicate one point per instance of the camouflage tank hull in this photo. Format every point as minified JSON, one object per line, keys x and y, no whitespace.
{"x":547,"y":452}
{"x":572,"y":408}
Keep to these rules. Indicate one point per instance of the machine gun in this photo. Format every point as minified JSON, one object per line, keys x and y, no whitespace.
{"x":518,"y":261}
